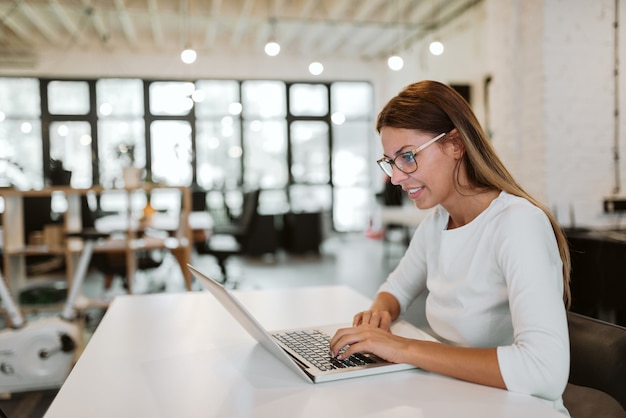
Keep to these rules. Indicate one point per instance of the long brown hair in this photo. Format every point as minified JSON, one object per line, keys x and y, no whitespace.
{"x":434,"y":107}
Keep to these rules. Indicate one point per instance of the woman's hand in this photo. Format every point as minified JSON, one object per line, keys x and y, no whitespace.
{"x":381,"y":314}
{"x":367,"y":338}
{"x":375,"y":318}
{"x":478,"y":365}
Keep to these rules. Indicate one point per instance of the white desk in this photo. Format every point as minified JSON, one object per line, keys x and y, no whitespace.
{"x":182,"y":356}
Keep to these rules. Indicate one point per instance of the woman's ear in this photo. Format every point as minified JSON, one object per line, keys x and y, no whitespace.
{"x":455,"y":144}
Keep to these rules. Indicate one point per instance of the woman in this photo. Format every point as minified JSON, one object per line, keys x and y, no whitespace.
{"x":494,"y":260}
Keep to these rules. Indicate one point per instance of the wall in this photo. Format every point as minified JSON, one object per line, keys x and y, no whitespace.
{"x":554,"y":89}
{"x":463,"y":62}
{"x":579,"y":108}
{"x":552,"y":96}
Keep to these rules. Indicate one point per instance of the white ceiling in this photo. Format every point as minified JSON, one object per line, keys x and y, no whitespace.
{"x":360,"y":29}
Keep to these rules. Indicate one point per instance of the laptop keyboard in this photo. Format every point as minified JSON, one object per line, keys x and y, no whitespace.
{"x":314,"y":347}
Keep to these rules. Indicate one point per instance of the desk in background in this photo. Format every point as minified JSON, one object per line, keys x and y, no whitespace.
{"x":183,"y":356}
{"x":398,"y":224}
{"x":16,"y":246}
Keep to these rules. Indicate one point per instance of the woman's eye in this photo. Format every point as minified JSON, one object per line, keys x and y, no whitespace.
{"x":407,"y":157}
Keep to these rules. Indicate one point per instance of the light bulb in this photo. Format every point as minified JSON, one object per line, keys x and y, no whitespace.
{"x":235,"y":108}
{"x":436,"y":48}
{"x":316,"y":68}
{"x":395,"y":62}
{"x":338,"y":118}
{"x":188,"y":56}
{"x":272,"y":48}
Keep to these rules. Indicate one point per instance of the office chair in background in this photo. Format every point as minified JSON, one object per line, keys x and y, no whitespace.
{"x":248,"y":234}
{"x":38,"y":216}
{"x":113,"y":264}
{"x":227,"y":239}
{"x":597,"y":383}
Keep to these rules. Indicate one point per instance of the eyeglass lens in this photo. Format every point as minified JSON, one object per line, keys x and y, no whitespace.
{"x":405,"y":162}
{"x":386,"y":167}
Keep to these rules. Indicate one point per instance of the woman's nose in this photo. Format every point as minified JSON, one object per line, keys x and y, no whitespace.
{"x":397,"y":175}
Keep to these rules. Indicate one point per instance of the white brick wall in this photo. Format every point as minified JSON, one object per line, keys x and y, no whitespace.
{"x":553,"y":112}
{"x":579,"y":107}
{"x":552,"y":97}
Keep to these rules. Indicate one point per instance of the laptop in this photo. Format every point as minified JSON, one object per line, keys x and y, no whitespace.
{"x":307,"y":351}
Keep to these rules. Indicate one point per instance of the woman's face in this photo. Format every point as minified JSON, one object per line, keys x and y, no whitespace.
{"x":432,"y":183}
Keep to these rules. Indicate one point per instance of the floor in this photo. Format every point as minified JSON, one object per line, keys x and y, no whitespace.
{"x":353,"y":260}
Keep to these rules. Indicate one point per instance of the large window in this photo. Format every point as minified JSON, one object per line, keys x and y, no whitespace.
{"x":70,"y":142}
{"x":308,"y":100}
{"x":21,"y":155}
{"x":310,"y":144}
{"x":351,"y":104}
{"x":68,"y":97}
{"x":218,"y":134}
{"x":120,"y":127}
{"x":265,"y":134}
{"x":171,"y":152}
{"x":68,"y":117}
{"x":306,"y":145}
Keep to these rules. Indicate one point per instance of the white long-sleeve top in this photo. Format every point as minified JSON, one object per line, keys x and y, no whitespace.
{"x":495,"y":282}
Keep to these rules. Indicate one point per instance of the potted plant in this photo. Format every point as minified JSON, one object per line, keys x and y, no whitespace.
{"x":130,"y":173}
{"x":59,"y":176}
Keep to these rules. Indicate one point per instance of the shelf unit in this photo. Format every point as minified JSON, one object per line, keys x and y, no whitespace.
{"x":16,"y":249}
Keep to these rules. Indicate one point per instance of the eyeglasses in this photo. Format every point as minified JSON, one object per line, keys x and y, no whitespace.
{"x":405,"y":162}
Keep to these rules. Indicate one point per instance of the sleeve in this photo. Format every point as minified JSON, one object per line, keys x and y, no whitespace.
{"x":537,"y":362}
{"x":408,"y":279}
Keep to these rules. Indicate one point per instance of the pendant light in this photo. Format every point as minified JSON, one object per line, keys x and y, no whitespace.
{"x":272,"y":47}
{"x":395,"y":61}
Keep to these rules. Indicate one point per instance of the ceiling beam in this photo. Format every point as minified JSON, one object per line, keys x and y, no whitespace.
{"x":96,"y":20}
{"x":389,"y":39}
{"x":18,"y":29}
{"x":326,"y":30}
{"x":440,"y":18}
{"x":68,"y":23}
{"x":184,"y":21}
{"x":127,"y":24}
{"x":243,"y":22}
{"x":343,"y":35}
{"x":289,"y":37}
{"x":155,"y":23}
{"x":41,"y":24}
{"x":269,"y":27}
{"x":210,"y":38}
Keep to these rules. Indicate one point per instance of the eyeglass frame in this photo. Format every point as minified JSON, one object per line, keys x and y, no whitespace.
{"x":392,"y":161}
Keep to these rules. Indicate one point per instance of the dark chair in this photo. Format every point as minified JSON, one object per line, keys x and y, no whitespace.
{"x":393,"y":196}
{"x":240,"y":237}
{"x":597,"y":383}
{"x":302,"y":233}
{"x":112,"y":264}
{"x":38,"y":216}
{"x":598,"y":270}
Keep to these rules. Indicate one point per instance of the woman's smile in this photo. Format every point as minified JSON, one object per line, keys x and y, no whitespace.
{"x":414,"y":192}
